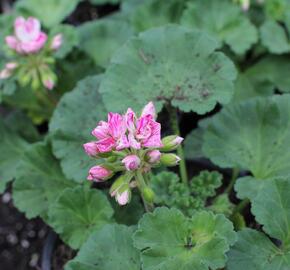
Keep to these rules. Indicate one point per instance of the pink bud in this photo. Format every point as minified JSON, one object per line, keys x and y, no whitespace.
{"x":178,"y":140}
{"x":5,"y":73}
{"x":91,"y":148}
{"x":56,"y":42}
{"x":131,"y":162}
{"x":11,"y":65}
{"x":149,"y":109}
{"x":124,"y":197}
{"x":49,"y":84}
{"x":154,"y":156}
{"x":99,"y":174}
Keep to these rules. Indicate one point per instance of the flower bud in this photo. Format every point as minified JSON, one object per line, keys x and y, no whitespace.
{"x":148,"y":194}
{"x":169,"y":159}
{"x":56,"y":42}
{"x":11,"y":65}
{"x":99,"y":174}
{"x":121,"y":190}
{"x":153,"y":156}
{"x":171,"y":142}
{"x":119,"y":182}
{"x":123,"y":196}
{"x":48,"y":84}
{"x":91,"y":148}
{"x":131,"y":162}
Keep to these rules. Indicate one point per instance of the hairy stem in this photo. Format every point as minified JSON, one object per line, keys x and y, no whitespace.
{"x":175,"y":127}
{"x":235,"y":174}
{"x":149,"y":207}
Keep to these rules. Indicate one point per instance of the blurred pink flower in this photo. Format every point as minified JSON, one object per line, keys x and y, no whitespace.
{"x":28,"y":37}
{"x":49,"y":84}
{"x":56,"y":42}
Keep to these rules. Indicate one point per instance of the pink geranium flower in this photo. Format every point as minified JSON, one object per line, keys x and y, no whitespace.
{"x":28,"y":37}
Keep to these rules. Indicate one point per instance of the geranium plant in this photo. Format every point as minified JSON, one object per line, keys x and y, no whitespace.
{"x":150,"y":135}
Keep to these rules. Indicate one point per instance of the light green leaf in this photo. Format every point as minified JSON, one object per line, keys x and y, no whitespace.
{"x":109,"y":248}
{"x":39,"y":181}
{"x":198,"y":243}
{"x":248,"y":187}
{"x":101,"y":38}
{"x":50,"y":12}
{"x":224,"y":21}
{"x":169,"y":64}
{"x":12,"y":147}
{"x":76,"y":115}
{"x":155,"y":13}
{"x":253,"y":136}
{"x":254,"y":251}
{"x":274,"y":37}
{"x":70,"y":39}
{"x":79,"y":212}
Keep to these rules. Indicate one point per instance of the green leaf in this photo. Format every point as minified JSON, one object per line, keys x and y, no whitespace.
{"x":12,"y":147}
{"x":274,"y":37}
{"x":169,"y":64}
{"x":39,"y":181}
{"x":248,"y":187}
{"x":198,"y":243}
{"x":75,"y":117}
{"x":253,"y":136}
{"x":50,"y":12}
{"x":224,"y":21}
{"x":109,"y":248}
{"x":270,"y":72}
{"x":254,"y":251}
{"x":101,"y":38}
{"x":222,"y":205}
{"x":155,"y":13}
{"x":78,"y":212}
{"x":274,"y":198}
{"x":70,"y":39}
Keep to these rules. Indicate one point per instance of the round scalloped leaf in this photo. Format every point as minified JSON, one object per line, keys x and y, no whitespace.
{"x":274,"y":199}
{"x":109,"y":248}
{"x":101,"y":38}
{"x":154,"y":13}
{"x":170,"y":64}
{"x":274,"y":37}
{"x":12,"y":147}
{"x":248,"y":187}
{"x":224,"y":21}
{"x":39,"y":181}
{"x":254,"y":251}
{"x":252,"y":135}
{"x":75,"y":117}
{"x":198,"y":243}
{"x":50,"y":12}
{"x":79,"y":212}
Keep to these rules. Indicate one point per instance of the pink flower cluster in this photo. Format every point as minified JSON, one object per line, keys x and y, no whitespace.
{"x":126,"y":131}
{"x":130,"y":144}
{"x":28,"y":37}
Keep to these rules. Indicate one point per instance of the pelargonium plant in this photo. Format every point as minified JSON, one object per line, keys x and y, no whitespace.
{"x":31,"y":54}
{"x":131,"y":146}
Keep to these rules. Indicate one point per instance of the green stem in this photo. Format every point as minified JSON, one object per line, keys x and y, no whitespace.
{"x":175,"y":127}
{"x":241,"y":206}
{"x":149,"y":207}
{"x":235,"y":174}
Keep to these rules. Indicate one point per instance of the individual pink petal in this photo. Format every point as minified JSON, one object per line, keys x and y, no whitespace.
{"x":154,"y":140}
{"x":122,"y":143}
{"x":131,"y":162}
{"x":105,"y":145}
{"x":133,"y":142}
{"x":27,"y":30}
{"x":116,"y":125}
{"x":130,"y":119}
{"x":101,"y":131}
{"x":12,"y":42}
{"x":149,"y":109}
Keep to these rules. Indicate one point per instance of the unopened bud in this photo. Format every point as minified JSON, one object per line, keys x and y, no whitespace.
{"x":153,"y":156}
{"x":131,"y":162}
{"x":99,"y":174}
{"x":169,"y":159}
{"x":119,"y":182}
{"x":56,"y":42}
{"x":91,"y":148}
{"x":148,"y":194}
{"x":171,"y":143}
